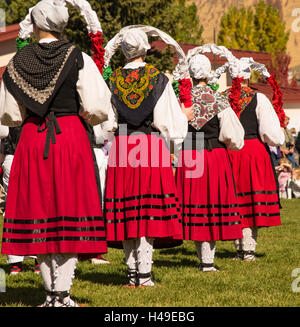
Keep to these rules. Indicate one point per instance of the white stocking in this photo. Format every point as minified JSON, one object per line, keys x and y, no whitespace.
{"x":144,"y":257}
{"x":57,"y":271}
{"x":206,"y":254}
{"x":130,"y":252}
{"x":249,"y":240}
{"x":45,"y":263}
{"x":63,"y":266}
{"x":247,"y":244}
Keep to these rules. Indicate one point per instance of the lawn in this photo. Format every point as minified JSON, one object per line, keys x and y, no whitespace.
{"x":263,"y":283}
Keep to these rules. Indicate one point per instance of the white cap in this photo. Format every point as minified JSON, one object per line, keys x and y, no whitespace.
{"x":135,"y":43}
{"x":200,"y":67}
{"x":50,"y":15}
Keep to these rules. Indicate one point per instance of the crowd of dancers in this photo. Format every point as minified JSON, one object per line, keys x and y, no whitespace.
{"x":67,"y":200}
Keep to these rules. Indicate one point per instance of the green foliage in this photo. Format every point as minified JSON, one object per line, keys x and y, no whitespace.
{"x":116,"y":14}
{"x":187,"y":28}
{"x":269,"y":34}
{"x":3,"y":4}
{"x":16,"y":10}
{"x":237,"y":28}
{"x":260,"y":29}
{"x":174,"y":17}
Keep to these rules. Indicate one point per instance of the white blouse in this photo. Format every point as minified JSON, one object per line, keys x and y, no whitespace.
{"x":168,"y":117}
{"x":4,"y":131}
{"x":231,"y":130}
{"x":269,"y":126}
{"x":94,"y":95}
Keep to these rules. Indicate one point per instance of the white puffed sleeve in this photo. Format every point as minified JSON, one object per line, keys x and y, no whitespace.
{"x":231,"y":130}
{"x":11,"y":114}
{"x":95,"y":96}
{"x":269,"y":126}
{"x":168,"y":117}
{"x":4,"y":130}
{"x":105,"y":131}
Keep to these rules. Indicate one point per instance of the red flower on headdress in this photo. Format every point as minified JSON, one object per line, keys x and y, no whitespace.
{"x":98,"y":51}
{"x":185,"y":86}
{"x":277,"y":99}
{"x":235,"y":94}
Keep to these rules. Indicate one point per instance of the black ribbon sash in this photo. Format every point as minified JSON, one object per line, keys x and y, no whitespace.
{"x":52,"y":127}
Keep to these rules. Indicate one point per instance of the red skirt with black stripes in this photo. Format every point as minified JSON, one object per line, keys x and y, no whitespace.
{"x":53,"y":204}
{"x":141,"y":198}
{"x":207,"y":196}
{"x":256,"y":185}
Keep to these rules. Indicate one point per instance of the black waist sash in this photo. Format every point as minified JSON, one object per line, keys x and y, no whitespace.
{"x":251,"y":136}
{"x":52,"y":127}
{"x":145,"y":128}
{"x":209,"y":144}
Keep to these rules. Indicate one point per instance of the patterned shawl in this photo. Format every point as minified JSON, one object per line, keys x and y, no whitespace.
{"x":246,"y":97}
{"x":207,"y":104}
{"x":135,"y":92}
{"x":37,"y":71}
{"x":133,"y":86}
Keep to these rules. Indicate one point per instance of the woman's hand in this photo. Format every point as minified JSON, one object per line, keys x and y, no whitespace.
{"x":189,"y":112}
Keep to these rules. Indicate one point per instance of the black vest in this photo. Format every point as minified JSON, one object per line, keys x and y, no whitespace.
{"x":141,"y":118}
{"x":66,"y":100}
{"x":64,"y":103}
{"x":249,"y":120}
{"x":211,"y":132}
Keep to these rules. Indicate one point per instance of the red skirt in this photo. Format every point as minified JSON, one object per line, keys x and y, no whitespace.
{"x":256,"y":185}
{"x":208,"y":201}
{"x":53,"y":204}
{"x":141,"y":197}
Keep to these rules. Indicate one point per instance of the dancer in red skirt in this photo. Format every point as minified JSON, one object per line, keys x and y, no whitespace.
{"x":53,"y":208}
{"x":140,"y":199}
{"x":252,"y":166}
{"x":206,"y":189}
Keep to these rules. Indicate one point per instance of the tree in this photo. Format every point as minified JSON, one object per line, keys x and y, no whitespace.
{"x":16,"y":10}
{"x":236,"y":29}
{"x":280,"y":67}
{"x":261,"y":30}
{"x":182,"y":24}
{"x":269,"y":33}
{"x":188,"y":28}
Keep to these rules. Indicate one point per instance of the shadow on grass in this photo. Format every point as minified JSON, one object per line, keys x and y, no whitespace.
{"x":177,"y":263}
{"x":225,"y":254}
{"x":117,"y":279}
{"x":5,"y":268}
{"x":26,"y":295}
{"x":177,"y":251}
{"x":103,"y":278}
{"x":27,"y":267}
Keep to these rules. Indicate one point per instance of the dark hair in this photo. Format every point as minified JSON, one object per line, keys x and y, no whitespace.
{"x":197,"y":81}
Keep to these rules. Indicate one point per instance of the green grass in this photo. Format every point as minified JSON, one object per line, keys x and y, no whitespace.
{"x":263,"y":283}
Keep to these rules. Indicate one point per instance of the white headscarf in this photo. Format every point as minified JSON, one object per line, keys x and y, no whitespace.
{"x":50,"y":15}
{"x":246,"y":65}
{"x":241,"y":68}
{"x":135,"y":43}
{"x":200,"y":67}
{"x":181,"y":70}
